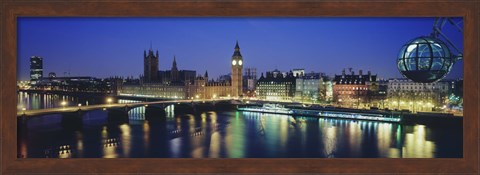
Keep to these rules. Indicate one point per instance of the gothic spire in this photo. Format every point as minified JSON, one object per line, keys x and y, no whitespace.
{"x":237,"y":50}
{"x":206,"y":74}
{"x":174,"y":62}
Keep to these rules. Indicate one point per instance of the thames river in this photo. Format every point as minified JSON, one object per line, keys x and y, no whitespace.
{"x":226,"y":134}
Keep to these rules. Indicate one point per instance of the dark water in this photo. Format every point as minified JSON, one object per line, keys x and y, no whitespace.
{"x":233,"y":134}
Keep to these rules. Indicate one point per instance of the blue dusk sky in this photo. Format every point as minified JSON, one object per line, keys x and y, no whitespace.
{"x":104,"y":47}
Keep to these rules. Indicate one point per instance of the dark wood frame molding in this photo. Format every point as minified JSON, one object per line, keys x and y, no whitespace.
{"x":10,"y":10}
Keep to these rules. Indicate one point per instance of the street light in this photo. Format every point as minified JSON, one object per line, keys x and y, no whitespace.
{"x":109,"y":100}
{"x":63,"y":103}
{"x":24,"y":109}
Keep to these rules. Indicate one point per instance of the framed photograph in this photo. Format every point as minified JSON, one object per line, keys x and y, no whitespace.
{"x":240,"y":87}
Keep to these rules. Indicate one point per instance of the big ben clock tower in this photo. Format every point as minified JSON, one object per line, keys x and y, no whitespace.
{"x":237,"y":69}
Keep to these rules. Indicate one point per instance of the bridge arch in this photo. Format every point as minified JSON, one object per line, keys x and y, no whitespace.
{"x":224,"y":105}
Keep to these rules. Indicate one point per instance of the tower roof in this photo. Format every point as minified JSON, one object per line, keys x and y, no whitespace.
{"x":150,"y":53}
{"x":237,"y":50}
{"x":206,"y":74}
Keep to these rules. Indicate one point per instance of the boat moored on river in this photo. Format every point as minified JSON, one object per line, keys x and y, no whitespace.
{"x":325,"y":112}
{"x":268,"y":108}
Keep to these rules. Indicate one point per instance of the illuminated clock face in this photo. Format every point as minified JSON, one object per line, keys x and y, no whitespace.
{"x":240,"y":62}
{"x":234,"y":62}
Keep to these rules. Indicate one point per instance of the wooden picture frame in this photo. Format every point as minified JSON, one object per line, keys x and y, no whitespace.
{"x":10,"y":10}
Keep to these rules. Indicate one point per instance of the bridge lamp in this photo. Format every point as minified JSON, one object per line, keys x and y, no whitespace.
{"x":196,"y":96}
{"x":109,"y":100}
{"x":64,"y":103}
{"x":24,"y":109}
{"x":146,"y":105}
{"x":79,"y":105}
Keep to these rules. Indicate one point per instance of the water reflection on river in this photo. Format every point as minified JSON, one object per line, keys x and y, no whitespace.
{"x":234,"y":134}
{"x":31,"y":101}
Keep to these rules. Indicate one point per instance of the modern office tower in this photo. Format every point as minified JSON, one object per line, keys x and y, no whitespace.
{"x":36,"y":69}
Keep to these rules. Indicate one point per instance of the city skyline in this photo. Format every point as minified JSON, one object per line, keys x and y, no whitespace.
{"x":174,"y":107}
{"x":267,"y":44}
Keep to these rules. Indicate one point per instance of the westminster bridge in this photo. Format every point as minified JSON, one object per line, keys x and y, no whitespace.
{"x":72,"y":116}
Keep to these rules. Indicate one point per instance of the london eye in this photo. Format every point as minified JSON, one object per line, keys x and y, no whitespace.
{"x":428,"y":59}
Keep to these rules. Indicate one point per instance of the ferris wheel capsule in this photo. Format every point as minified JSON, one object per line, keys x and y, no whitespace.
{"x":425,"y":59}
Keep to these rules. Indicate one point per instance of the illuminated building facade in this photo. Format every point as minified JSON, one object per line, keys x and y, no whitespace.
{"x":23,"y":84}
{"x":307,"y":88}
{"x":406,"y":94}
{"x":74,"y":84}
{"x":155,"y":90}
{"x":271,"y":87}
{"x":328,"y":83}
{"x":182,"y":84}
{"x":170,"y":84}
{"x":36,"y":69}
{"x":313,"y":87}
{"x":203,"y":88}
{"x":354,"y":90}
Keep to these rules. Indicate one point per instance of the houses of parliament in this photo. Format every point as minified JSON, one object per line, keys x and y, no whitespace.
{"x":184,"y":84}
